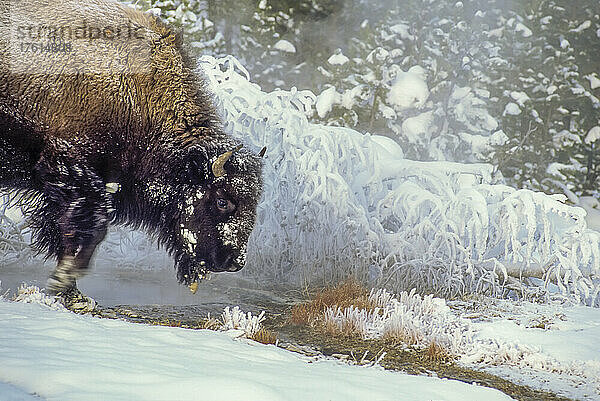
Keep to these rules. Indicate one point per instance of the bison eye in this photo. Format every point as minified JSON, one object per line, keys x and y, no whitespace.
{"x":224,"y":205}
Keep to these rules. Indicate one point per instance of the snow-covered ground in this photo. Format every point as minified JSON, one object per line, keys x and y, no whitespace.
{"x":548,"y":347}
{"x":61,"y":356}
{"x":43,"y":350}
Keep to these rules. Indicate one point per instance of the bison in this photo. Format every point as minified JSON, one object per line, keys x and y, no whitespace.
{"x":103,"y":121}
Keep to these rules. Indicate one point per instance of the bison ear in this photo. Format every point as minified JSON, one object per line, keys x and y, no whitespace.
{"x":179,"y":37}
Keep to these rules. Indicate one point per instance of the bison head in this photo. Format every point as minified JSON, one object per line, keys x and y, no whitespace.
{"x":219,"y":189}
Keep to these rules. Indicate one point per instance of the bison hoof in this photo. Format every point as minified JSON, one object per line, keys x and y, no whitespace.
{"x":64,"y":276}
{"x":75,"y":301}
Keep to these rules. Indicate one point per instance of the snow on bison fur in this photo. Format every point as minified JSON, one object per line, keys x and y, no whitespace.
{"x":103,"y":121}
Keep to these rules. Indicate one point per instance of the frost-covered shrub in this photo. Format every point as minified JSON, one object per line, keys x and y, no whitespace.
{"x":236,"y":319}
{"x":415,"y":320}
{"x":14,"y":233}
{"x":33,"y":295}
{"x":339,"y":203}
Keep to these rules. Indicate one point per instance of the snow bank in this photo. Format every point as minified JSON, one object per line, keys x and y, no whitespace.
{"x":337,"y":203}
{"x":62,"y":356}
{"x":544,"y":346}
{"x":549,"y":347}
{"x":12,"y":393}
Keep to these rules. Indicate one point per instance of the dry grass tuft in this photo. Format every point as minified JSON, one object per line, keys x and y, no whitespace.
{"x":436,"y":352}
{"x":347,"y":329}
{"x":302,"y":314}
{"x":399,"y":336}
{"x":330,"y":311}
{"x":264,"y":336}
{"x":331,"y":328}
{"x":211,"y":324}
{"x":349,"y":292}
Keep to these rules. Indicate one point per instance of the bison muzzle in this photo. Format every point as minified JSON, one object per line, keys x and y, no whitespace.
{"x":103,"y":120}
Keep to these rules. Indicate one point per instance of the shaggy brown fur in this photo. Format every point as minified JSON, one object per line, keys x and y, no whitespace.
{"x":123,"y":105}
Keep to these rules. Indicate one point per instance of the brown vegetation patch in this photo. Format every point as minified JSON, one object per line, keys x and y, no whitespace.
{"x":399,"y":336}
{"x":348,"y":293}
{"x":265,"y":336}
{"x":347,"y":328}
{"x":211,"y":324}
{"x":437,"y":353}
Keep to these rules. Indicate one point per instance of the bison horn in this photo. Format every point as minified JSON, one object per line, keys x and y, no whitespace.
{"x":113,"y":187}
{"x":262,"y":152}
{"x":219,"y":164}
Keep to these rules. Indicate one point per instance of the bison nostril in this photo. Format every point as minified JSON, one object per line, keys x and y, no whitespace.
{"x":223,"y":263}
{"x":235,"y":267}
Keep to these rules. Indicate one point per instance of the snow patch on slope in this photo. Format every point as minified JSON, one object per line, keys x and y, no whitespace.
{"x":43,"y":352}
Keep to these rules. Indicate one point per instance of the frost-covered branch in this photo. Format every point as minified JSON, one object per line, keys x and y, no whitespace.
{"x":339,"y":203}
{"x":14,"y":233}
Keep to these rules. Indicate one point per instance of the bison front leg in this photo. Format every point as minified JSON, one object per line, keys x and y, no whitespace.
{"x":82,"y":226}
{"x":72,"y":218}
{"x":63,"y":281}
{"x":73,"y":263}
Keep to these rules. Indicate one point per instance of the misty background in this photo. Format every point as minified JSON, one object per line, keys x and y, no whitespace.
{"x":513,"y":83}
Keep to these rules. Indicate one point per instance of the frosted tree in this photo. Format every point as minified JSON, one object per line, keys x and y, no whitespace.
{"x":253,"y":32}
{"x":417,"y":79}
{"x":547,"y":97}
